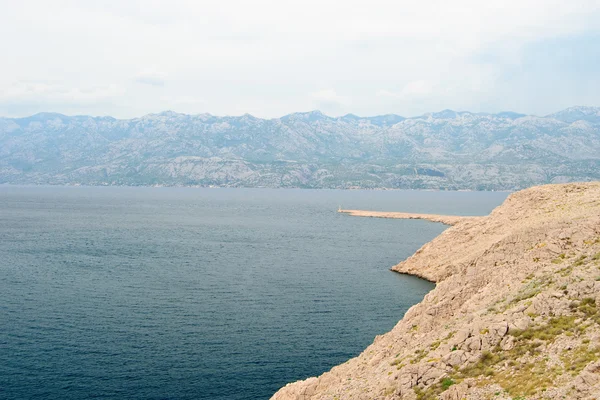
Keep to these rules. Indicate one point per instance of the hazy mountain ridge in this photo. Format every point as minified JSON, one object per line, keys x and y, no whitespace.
{"x":447,"y":149}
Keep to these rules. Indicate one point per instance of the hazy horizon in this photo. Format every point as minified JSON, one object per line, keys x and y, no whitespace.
{"x":304,"y":112}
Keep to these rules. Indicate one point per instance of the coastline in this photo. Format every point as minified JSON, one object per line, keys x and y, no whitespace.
{"x":444,"y":219}
{"x":533,"y":261}
{"x":450,"y":220}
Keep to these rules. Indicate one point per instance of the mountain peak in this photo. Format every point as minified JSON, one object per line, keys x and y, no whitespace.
{"x":163,"y":114}
{"x":45,"y":116}
{"x":577,"y":113}
{"x":444,"y":114}
{"x":169,"y":113}
{"x":349,"y":117}
{"x":314,"y":115}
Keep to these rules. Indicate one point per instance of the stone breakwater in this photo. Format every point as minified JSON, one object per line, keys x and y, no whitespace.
{"x":515,"y":313}
{"x":444,"y":219}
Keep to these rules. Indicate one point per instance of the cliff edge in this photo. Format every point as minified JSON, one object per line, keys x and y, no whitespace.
{"x":515,"y":313}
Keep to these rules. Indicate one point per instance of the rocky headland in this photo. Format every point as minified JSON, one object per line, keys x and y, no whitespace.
{"x":515,"y":313}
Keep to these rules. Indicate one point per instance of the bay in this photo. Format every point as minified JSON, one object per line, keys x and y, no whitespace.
{"x":197,"y":293}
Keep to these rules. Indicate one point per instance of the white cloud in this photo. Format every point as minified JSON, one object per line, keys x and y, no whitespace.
{"x":266,"y":55}
{"x":410,"y":90}
{"x":329,"y":101}
{"x":44,"y":92}
{"x":151,"y":77}
{"x":330,"y":96}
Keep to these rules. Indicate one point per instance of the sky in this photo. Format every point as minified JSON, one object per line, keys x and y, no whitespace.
{"x":127,"y":58}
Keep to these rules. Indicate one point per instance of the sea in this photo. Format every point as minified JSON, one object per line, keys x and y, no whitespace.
{"x":200,"y":293}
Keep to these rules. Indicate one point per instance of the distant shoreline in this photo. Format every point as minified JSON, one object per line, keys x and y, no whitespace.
{"x":244,"y":187}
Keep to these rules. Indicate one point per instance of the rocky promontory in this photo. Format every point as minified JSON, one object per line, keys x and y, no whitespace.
{"x":444,"y":219}
{"x":515,"y":313}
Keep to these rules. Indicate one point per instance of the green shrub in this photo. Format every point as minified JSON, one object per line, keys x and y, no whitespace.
{"x":446,"y":383}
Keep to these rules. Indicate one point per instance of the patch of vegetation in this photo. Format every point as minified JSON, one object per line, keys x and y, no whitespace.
{"x":419,"y":355}
{"x":526,"y":378}
{"x":589,"y":309}
{"x":576,"y":360}
{"x":390,"y":390}
{"x":565,"y":271}
{"x":433,"y":391}
{"x":484,"y":366}
{"x":397,"y":361}
{"x":521,"y":379}
{"x":580,"y":261}
{"x":525,"y":294}
{"x":422,"y":394}
{"x":446,"y":383}
{"x":548,"y":332}
{"x":532,"y":289}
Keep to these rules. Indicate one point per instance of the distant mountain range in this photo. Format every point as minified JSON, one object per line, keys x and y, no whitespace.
{"x":443,"y":150}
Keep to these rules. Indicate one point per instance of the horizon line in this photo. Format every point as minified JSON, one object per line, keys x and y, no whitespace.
{"x":316,"y":111}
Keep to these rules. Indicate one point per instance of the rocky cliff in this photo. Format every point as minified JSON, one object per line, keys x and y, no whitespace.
{"x":515,"y":313}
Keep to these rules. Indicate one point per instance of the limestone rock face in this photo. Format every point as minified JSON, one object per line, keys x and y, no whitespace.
{"x":515,"y":313}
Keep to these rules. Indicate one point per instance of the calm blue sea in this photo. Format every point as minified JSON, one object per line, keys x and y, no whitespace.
{"x":183,"y":293}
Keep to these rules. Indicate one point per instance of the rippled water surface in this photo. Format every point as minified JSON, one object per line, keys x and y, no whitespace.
{"x":167,"y":293}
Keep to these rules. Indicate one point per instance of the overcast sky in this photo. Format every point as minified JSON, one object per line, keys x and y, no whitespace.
{"x":270,"y":58}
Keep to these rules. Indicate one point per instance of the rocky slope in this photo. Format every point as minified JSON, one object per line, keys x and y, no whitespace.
{"x":515,"y":313}
{"x":445,"y":150}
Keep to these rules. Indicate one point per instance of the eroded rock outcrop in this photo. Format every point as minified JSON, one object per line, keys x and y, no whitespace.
{"x":515,"y":313}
